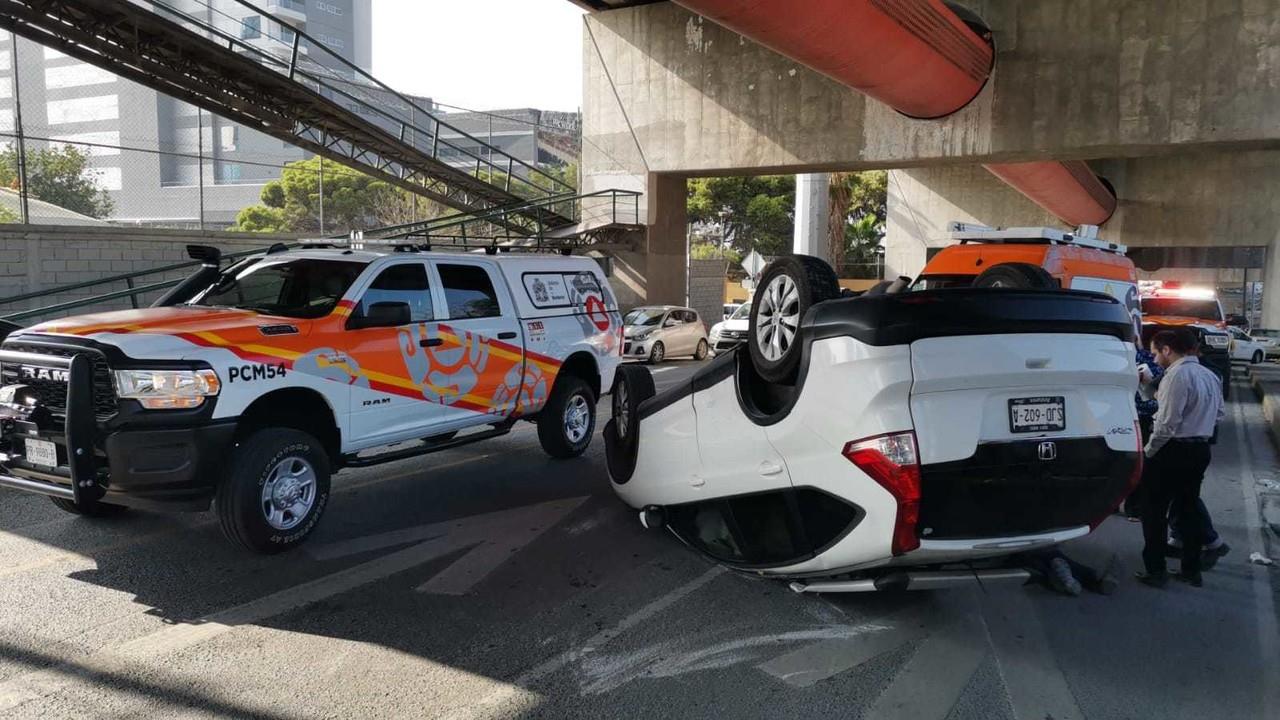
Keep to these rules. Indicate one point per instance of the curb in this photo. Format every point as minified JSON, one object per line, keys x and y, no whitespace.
{"x":1266,"y":385}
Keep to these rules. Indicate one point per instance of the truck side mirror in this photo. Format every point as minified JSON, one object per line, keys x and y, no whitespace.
{"x":382,"y":314}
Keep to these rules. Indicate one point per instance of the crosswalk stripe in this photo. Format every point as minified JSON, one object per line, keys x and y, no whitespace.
{"x":1036,"y":686}
{"x":935,"y":676}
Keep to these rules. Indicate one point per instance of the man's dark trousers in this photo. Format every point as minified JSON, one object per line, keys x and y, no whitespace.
{"x":1172,"y":486}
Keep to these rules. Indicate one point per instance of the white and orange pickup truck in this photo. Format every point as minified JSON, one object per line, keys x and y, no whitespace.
{"x":247,"y":386}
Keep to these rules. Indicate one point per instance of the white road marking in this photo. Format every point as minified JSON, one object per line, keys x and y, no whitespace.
{"x":504,"y":538}
{"x":61,"y":556}
{"x":1264,"y":602}
{"x":463,"y":533}
{"x":655,"y":371}
{"x":1036,"y":686}
{"x":490,"y":702}
{"x":814,"y":663}
{"x":928,"y":687}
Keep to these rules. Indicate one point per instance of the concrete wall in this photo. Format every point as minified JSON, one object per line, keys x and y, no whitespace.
{"x":38,"y":257}
{"x":706,"y":289}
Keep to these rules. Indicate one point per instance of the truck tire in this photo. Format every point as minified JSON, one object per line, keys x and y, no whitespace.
{"x":567,"y":421}
{"x":632,"y":385}
{"x":89,"y":508}
{"x":1016,"y":276}
{"x":276,"y":490}
{"x":789,"y":286}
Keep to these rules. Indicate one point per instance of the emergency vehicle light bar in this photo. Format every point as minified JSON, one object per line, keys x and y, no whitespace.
{"x":1084,"y":236}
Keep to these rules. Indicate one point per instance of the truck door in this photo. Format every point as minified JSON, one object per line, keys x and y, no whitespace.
{"x":386,"y":404}
{"x":477,"y":365}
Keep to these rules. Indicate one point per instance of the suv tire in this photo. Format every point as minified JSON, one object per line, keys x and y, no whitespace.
{"x":566,"y":423}
{"x":276,"y":490}
{"x":89,"y":508}
{"x":789,"y":286}
{"x":631,"y":387}
{"x":1016,"y":276}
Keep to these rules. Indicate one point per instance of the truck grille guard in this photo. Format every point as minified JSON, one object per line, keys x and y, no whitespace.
{"x":79,"y":429}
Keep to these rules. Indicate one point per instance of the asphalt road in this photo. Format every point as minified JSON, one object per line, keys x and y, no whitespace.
{"x":493,"y":582}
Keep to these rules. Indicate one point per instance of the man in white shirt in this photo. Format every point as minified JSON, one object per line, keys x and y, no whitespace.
{"x":1178,"y":453}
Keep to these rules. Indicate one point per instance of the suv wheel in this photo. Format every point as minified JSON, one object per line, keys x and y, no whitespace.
{"x":789,"y":286}
{"x":276,"y":491}
{"x":1016,"y":276}
{"x":632,"y":385}
{"x":88,"y":508}
{"x":567,"y":421}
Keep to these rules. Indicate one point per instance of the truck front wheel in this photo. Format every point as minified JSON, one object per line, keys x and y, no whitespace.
{"x":566,"y":423}
{"x":276,"y":490}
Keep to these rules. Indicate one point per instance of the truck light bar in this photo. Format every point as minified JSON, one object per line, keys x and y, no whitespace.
{"x":1084,"y":236}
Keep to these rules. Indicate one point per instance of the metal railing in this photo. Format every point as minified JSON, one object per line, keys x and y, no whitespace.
{"x":449,"y":230}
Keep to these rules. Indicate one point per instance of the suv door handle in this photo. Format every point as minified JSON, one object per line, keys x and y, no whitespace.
{"x":506,"y":335}
{"x":769,"y":468}
{"x":431,"y":342}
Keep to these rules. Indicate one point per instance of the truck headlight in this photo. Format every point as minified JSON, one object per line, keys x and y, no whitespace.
{"x":1217,"y":340}
{"x":167,"y":389}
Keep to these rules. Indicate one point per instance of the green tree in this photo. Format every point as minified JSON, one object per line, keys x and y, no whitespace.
{"x":352,"y":201}
{"x":710,"y":251}
{"x":757,"y":213}
{"x":855,"y":223}
{"x":61,"y":176}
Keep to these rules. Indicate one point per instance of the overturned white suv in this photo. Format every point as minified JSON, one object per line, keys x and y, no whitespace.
{"x":885,"y":441}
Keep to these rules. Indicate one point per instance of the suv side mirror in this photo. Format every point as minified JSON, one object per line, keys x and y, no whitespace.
{"x":382,"y":314}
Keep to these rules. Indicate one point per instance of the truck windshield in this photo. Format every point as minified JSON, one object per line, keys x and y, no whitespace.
{"x":644,"y":316}
{"x":1204,"y":309}
{"x":296,"y":288}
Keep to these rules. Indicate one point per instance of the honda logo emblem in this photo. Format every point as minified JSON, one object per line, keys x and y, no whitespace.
{"x":1048,"y":451}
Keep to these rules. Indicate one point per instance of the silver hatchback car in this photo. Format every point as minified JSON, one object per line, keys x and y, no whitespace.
{"x":655,"y":332}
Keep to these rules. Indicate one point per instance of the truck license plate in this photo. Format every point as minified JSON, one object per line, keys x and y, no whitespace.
{"x":42,"y":452}
{"x":1037,"y":414}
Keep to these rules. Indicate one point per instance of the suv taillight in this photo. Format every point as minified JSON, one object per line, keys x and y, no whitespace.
{"x":1135,"y":478}
{"x":892,"y":461}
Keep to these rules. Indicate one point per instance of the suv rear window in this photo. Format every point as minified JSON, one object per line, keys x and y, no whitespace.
{"x":296,"y":288}
{"x":1182,"y":307}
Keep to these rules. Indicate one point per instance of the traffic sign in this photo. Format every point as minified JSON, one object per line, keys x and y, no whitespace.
{"x":753,"y":263}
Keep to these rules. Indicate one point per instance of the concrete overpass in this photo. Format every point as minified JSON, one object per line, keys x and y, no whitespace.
{"x":1179,"y":110}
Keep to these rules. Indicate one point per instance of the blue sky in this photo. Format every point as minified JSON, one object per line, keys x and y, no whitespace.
{"x":481,"y":54}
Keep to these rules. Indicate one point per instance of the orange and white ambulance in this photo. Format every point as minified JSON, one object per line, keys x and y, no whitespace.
{"x":247,"y":386}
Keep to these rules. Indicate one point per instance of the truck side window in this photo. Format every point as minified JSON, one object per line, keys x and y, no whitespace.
{"x":469,"y":291}
{"x":406,"y":283}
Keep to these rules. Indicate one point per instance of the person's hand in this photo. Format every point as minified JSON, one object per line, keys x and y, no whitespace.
{"x":1148,"y":452}
{"x":1144,"y":374}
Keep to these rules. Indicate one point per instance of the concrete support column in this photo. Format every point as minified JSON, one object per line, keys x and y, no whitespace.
{"x":667,"y":245}
{"x":1271,"y":286}
{"x":813,"y":203}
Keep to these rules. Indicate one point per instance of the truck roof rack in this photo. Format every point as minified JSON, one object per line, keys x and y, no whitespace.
{"x":1084,"y":236}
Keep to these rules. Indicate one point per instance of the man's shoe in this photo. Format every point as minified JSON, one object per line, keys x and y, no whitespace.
{"x":1155,"y":581}
{"x":1192,"y":580}
{"x":1211,"y":556}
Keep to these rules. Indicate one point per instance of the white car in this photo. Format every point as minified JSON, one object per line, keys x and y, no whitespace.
{"x":858,"y":444}
{"x":731,"y":332}
{"x":1271,"y":340}
{"x":1249,"y":348}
